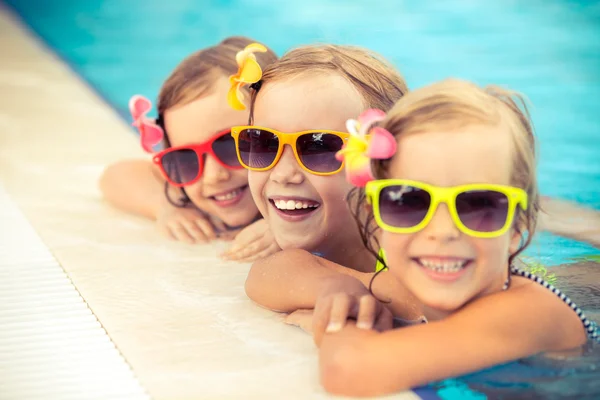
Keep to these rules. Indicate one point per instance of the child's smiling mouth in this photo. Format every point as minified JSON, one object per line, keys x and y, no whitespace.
{"x":443,"y":268}
{"x":229,"y":198}
{"x":294,"y":209}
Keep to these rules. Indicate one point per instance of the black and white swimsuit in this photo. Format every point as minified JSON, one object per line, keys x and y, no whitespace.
{"x":590,"y":327}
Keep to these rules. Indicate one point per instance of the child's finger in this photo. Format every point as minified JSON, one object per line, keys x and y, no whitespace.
{"x":180,"y":233}
{"x":194,"y":231}
{"x":206,"y":228}
{"x":273,"y":248}
{"x":384,"y":321}
{"x":240,"y":242}
{"x":250,"y":250}
{"x":241,"y":250}
{"x":302,"y":319}
{"x":245,"y":253}
{"x":340,"y":309}
{"x":233,"y":254}
{"x":165,"y":231}
{"x":228,"y":235}
{"x":321,"y":316}
{"x":367,"y":312}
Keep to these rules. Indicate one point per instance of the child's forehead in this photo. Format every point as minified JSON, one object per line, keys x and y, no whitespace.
{"x":473,"y":154}
{"x":304,"y":102}
{"x":200,"y":119}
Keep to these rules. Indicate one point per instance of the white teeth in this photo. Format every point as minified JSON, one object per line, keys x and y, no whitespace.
{"x":294,"y":204}
{"x":228,"y":196}
{"x":444,"y":267}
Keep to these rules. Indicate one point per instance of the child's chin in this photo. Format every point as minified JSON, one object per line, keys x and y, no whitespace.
{"x":285,"y":240}
{"x":445,"y":304}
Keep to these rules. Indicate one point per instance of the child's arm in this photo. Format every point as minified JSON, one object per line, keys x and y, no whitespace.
{"x":570,"y":220}
{"x":495,"y":329}
{"x":293,"y":279}
{"x":134,"y":186}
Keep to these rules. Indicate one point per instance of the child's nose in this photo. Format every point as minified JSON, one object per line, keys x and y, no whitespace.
{"x":214,"y":172}
{"x":442,"y":227}
{"x":287,"y":170}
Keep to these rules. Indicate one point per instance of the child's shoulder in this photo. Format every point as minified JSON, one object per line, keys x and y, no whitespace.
{"x":541,"y":297}
{"x":529,"y":286}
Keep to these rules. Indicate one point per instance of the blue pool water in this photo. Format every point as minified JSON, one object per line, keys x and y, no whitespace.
{"x":548,"y":49}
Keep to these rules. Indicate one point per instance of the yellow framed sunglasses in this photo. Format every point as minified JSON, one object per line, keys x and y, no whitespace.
{"x":259,"y":148}
{"x":479,"y":210}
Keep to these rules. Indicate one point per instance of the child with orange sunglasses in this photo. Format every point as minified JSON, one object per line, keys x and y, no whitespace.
{"x":195,"y":188}
{"x":298,"y":108}
{"x":298,"y":112}
{"x":451,"y":229}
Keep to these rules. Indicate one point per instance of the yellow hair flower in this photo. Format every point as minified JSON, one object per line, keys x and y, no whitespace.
{"x":249,"y":72}
{"x":365,"y":143}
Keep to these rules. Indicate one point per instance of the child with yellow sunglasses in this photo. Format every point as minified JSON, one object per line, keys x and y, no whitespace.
{"x":456,"y":203}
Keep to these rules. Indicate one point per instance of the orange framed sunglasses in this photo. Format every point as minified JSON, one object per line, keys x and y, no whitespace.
{"x":259,"y":148}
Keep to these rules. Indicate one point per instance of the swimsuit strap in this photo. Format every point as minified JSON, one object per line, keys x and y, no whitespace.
{"x":506,"y":283}
{"x":379,"y":266}
{"x":589,"y":326}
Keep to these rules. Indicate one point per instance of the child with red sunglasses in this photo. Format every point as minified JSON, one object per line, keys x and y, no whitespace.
{"x":451,"y":229}
{"x":195,"y":188}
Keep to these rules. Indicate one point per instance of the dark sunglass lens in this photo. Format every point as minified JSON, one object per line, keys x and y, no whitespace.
{"x":403,"y":206}
{"x":258,"y":148}
{"x":482,"y":210}
{"x":181,"y":166}
{"x":224,"y":149}
{"x":317,"y":151}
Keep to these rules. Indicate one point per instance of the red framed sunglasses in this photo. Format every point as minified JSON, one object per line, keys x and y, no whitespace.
{"x":183,"y":165}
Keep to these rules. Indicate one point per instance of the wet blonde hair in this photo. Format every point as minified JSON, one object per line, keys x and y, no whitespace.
{"x":379,"y":84}
{"x":195,"y":76}
{"x":454,"y":104}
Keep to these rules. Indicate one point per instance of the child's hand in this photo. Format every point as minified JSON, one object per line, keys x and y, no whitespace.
{"x":253,"y":242}
{"x":333,"y":310}
{"x":186,"y":224}
{"x":302,"y":319}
